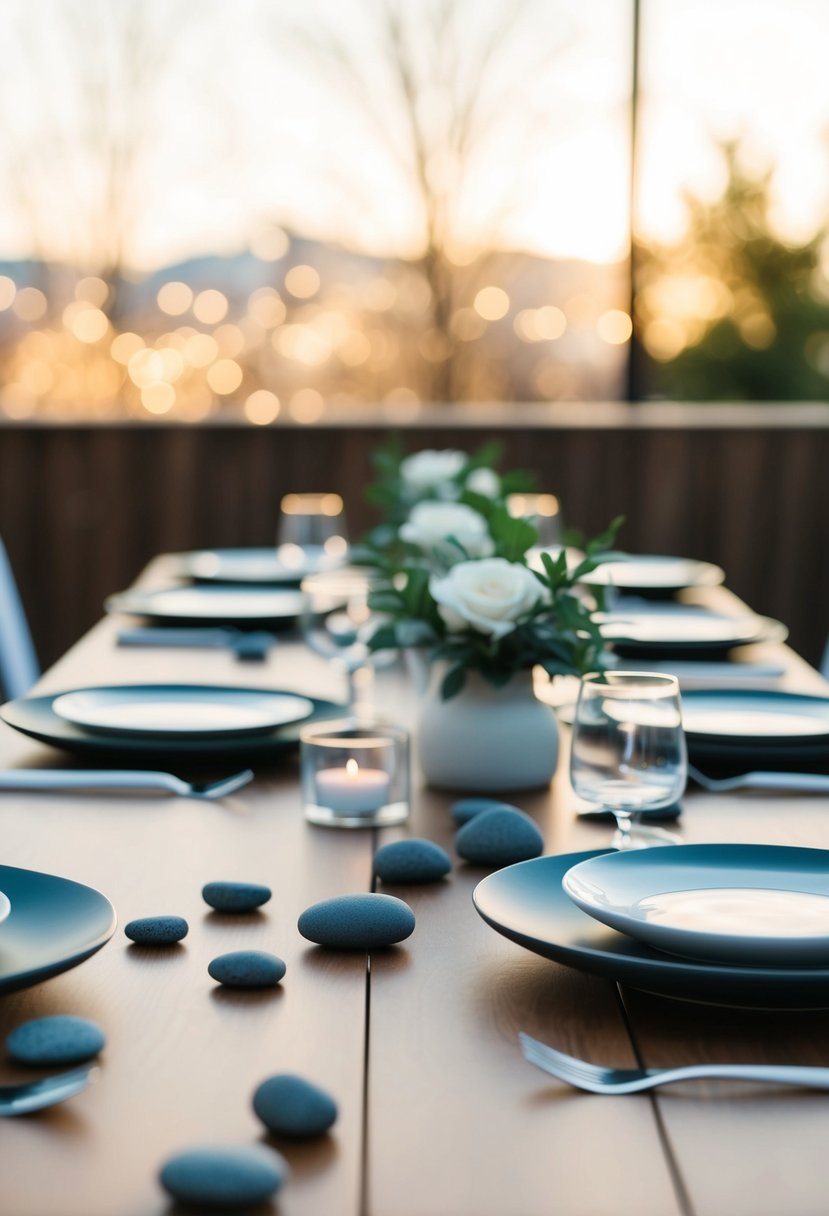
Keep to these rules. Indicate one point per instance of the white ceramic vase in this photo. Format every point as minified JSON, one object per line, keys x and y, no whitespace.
{"x":486,"y":739}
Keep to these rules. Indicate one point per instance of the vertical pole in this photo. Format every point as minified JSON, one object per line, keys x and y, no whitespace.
{"x":633,"y":387}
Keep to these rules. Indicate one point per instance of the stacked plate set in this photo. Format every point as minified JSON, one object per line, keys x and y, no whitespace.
{"x":726,"y":924}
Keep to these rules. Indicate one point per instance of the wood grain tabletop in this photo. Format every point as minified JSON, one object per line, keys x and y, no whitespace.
{"x":439,"y":1114}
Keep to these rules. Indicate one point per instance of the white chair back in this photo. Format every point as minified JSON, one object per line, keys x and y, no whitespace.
{"x":18,"y":662}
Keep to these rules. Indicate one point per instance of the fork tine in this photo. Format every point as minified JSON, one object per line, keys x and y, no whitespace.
{"x":566,"y":1066}
{"x":227,"y":785}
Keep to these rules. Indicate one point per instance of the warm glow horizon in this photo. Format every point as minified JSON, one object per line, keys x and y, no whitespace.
{"x":242,"y":133}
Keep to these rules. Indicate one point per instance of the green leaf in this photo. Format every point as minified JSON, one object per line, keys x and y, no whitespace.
{"x":513,"y":537}
{"x":453,"y":681}
{"x":384,"y":638}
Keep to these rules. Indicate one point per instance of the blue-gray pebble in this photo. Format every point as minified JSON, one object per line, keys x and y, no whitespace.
{"x":467,"y":808}
{"x":412,"y":861}
{"x":499,"y":837}
{"x":357,"y":922}
{"x":58,"y":1039}
{"x":156,"y":930}
{"x":235,"y":896}
{"x":247,"y":969}
{"x":291,"y":1106}
{"x":229,"y":1178}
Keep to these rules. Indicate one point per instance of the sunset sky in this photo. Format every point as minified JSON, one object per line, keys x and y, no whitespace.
{"x":244,"y":123}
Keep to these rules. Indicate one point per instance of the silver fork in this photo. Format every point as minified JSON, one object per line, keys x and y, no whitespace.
{"x":30,"y":1096}
{"x":599,"y":1080}
{"x":816,"y":783}
{"x":118,"y":781}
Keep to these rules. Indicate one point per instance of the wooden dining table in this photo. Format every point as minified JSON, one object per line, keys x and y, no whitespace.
{"x":439,"y":1114}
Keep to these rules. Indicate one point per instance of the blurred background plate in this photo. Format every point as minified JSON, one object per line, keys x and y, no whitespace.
{"x":285,"y":564}
{"x":653,"y":573}
{"x":207,"y":605}
{"x":678,"y":629}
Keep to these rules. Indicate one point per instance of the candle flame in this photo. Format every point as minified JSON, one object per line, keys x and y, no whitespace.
{"x":352,"y":768}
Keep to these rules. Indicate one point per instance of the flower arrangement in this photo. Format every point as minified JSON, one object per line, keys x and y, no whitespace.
{"x":458,"y":574}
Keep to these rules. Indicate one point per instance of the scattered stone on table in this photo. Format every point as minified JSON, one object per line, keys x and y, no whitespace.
{"x":357,"y":922}
{"x":235,"y":896}
{"x":232,"y":1178}
{"x":291,"y":1106}
{"x":156,"y":930}
{"x":412,"y":861}
{"x":58,"y":1039}
{"x":499,"y":837}
{"x":247,"y":969}
{"x":467,"y":808}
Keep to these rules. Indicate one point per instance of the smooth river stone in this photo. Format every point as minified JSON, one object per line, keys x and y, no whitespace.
{"x":59,"y":1039}
{"x":357,"y":922}
{"x":247,"y":969}
{"x":235,"y":896}
{"x":156,"y":930}
{"x":467,"y":808}
{"x":291,"y":1106}
{"x":224,"y":1178}
{"x":412,"y":861}
{"x":499,"y":837}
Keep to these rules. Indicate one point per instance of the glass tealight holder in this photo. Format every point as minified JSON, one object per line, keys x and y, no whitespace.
{"x":355,"y":776}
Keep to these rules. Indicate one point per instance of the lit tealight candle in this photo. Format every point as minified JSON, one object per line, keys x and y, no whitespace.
{"x":352,"y":790}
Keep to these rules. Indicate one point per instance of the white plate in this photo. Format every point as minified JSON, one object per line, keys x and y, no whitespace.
{"x":5,"y":906}
{"x":180,"y":711}
{"x":729,"y":903}
{"x":285,"y":564}
{"x":654,"y":573}
{"x":682,"y":628}
{"x":213,"y":604}
{"x":754,"y":716}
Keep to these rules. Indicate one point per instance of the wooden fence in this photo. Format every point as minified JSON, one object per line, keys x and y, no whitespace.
{"x":84,"y":507}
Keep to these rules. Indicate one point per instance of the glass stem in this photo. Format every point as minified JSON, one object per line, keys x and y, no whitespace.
{"x":624,"y":825}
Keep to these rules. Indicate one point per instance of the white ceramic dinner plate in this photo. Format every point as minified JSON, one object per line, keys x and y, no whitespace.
{"x":629,"y":572}
{"x":755,"y":716}
{"x":214,"y":605}
{"x":729,"y":903}
{"x":285,"y":564}
{"x":5,"y":906}
{"x":682,"y":628}
{"x":179,"y":711}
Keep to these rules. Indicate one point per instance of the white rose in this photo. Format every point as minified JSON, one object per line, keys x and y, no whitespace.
{"x":485,"y":482}
{"x":433,"y":523}
{"x":430,"y":469}
{"x":489,"y":595}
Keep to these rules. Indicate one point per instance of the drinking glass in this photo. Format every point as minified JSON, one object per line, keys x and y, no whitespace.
{"x":543,"y":512}
{"x":628,"y":749}
{"x":309,"y":522}
{"x":337,"y":623}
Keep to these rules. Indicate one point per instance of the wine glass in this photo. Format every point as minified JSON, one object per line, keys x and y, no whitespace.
{"x":543,"y":512}
{"x":312,"y":529}
{"x":337,"y":623}
{"x":628,"y":749}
